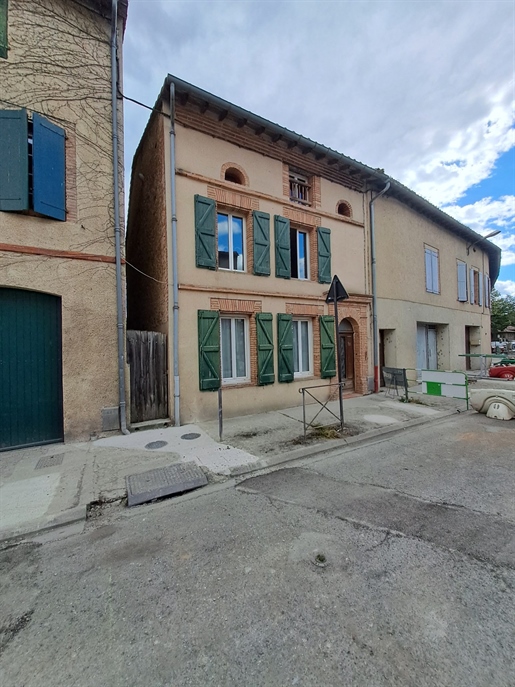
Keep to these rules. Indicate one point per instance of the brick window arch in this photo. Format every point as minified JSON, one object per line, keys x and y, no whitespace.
{"x":234,"y":173}
{"x":344,"y":208}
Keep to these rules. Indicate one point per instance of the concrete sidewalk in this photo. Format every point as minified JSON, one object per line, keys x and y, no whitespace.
{"x":52,"y":486}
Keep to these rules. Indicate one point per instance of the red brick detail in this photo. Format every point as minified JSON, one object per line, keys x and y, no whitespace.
{"x":302,"y":309}
{"x":232,"y":199}
{"x":344,"y":208}
{"x":253,"y":349}
{"x":234,"y":165}
{"x":71,"y":173}
{"x":316,"y":193}
{"x":301,"y":217}
{"x":358,"y":315}
{"x":236,"y":305}
{"x":316,"y":347}
{"x":245,"y":137}
{"x":55,"y":253}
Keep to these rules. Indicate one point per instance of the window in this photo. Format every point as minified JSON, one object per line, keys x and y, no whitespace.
{"x":234,"y":175}
{"x":234,"y":342}
{"x":299,"y":254}
{"x":476,"y":286}
{"x":462,"y":281}
{"x":230,"y":242}
{"x":299,"y":188}
{"x":302,"y":348}
{"x":32,"y":165}
{"x":488,"y":289}
{"x":432,"y":276}
{"x":343,"y":208}
{"x":3,"y":28}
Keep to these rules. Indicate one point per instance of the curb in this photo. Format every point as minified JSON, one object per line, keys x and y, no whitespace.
{"x":50,"y":522}
{"x":339,"y":444}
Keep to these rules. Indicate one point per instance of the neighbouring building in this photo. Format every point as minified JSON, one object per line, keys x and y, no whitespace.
{"x":59,"y":353}
{"x":235,"y":228}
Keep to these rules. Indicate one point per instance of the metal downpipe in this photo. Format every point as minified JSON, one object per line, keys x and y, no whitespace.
{"x":175,"y":278}
{"x":117,"y":228}
{"x":375,"y":331}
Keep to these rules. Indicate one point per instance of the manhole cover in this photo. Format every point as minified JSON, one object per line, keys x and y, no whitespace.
{"x":154,"y":484}
{"x":48,"y":462}
{"x":156,"y":444}
{"x":190,"y":435}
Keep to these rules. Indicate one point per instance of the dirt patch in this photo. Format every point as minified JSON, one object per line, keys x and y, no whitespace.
{"x":15,"y":625}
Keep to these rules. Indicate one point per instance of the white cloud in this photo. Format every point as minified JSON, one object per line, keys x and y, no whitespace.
{"x":506,"y":288}
{"x":421,"y":89}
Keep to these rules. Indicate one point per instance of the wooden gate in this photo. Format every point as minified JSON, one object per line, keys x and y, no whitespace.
{"x":147,"y":357}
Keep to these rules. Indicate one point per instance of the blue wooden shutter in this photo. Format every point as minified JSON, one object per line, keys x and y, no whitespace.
{"x":435,"y":272}
{"x":324,"y":255}
{"x":14,"y":160}
{"x":472,"y":295}
{"x":282,"y":247}
{"x":261,"y":225}
{"x":480,"y":286}
{"x":205,"y":225}
{"x":327,"y":347}
{"x":285,"y":347}
{"x":48,"y":168}
{"x":209,"y":349}
{"x":265,"y":348}
{"x":3,"y":28}
{"x":429,"y":279}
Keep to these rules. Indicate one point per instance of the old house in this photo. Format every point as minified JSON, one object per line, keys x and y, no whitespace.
{"x":235,"y":228}
{"x":61,"y":363}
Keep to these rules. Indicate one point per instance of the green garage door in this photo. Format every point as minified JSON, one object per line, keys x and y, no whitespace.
{"x":31,"y":405}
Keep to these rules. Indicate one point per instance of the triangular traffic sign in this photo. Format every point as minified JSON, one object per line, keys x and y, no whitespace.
{"x":336,"y":291}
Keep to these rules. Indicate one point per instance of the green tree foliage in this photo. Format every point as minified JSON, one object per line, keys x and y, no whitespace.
{"x":502,"y":312}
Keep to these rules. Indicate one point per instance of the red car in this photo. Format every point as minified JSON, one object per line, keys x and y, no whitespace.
{"x":503,"y":370}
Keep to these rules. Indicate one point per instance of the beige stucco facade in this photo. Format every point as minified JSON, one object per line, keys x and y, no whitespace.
{"x":239,"y":164}
{"x":404,"y":302}
{"x":72,"y":259}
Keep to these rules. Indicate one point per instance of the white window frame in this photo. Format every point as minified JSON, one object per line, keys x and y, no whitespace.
{"x":433,"y":274}
{"x":235,"y":380}
{"x":306,"y":233}
{"x":475,"y":294}
{"x":296,"y":333}
{"x":230,"y":216}
{"x":463,"y":291}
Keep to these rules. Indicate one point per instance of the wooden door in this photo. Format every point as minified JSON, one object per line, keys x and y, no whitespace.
{"x":346,"y":342}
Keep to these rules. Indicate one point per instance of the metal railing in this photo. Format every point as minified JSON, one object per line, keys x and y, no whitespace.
{"x":311,"y":424}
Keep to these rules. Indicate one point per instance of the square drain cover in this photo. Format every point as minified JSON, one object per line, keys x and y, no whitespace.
{"x":48,"y":462}
{"x":154,"y":484}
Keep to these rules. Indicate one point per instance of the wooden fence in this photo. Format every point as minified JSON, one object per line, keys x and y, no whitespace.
{"x":147,"y":357}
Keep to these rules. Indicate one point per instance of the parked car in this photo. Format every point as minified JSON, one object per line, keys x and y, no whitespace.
{"x":503,"y":370}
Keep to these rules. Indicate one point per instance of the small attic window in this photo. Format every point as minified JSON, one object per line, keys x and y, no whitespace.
{"x":234,"y":176}
{"x":343,"y":208}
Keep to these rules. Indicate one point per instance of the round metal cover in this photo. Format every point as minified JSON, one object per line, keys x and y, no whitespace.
{"x":190,"y":435}
{"x":156,"y":444}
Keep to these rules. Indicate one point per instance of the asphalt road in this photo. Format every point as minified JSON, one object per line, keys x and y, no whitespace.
{"x":416,"y":535}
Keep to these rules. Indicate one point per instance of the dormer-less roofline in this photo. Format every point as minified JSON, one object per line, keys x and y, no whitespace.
{"x":374,"y":179}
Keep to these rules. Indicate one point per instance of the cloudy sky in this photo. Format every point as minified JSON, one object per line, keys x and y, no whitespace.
{"x":422,"y":88}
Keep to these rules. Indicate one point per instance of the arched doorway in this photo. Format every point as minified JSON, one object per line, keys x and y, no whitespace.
{"x":346,"y":344}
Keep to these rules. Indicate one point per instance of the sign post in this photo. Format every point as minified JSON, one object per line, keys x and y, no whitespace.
{"x":337,"y":293}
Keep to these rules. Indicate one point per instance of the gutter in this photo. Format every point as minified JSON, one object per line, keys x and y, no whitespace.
{"x":117,"y":228}
{"x":375,"y":330}
{"x":175,"y":277}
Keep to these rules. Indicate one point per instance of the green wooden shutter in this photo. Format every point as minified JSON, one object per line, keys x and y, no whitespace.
{"x":285,"y":347}
{"x":209,"y":349}
{"x":282,"y":247}
{"x":261,"y":224}
{"x":324,"y":255}
{"x":14,"y":160}
{"x":265,"y":348}
{"x":3,"y":28}
{"x":327,"y":347}
{"x":205,"y":224}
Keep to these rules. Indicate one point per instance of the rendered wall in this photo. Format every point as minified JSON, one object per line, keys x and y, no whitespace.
{"x":59,"y":65}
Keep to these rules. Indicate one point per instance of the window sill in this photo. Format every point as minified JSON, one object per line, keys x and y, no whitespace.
{"x":228,"y":269}
{"x":234,"y":384}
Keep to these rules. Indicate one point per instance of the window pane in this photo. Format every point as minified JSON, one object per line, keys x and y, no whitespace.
{"x":226,"y":348}
{"x":302,"y":238}
{"x":223,"y":241}
{"x":239,"y":336}
{"x":429,"y":280}
{"x":304,"y":332}
{"x":295,"y":346}
{"x":237,"y":243}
